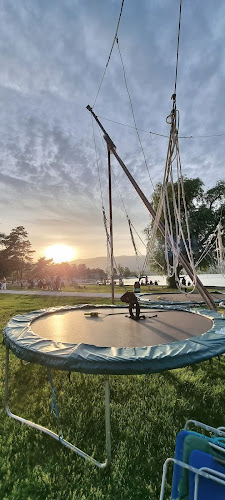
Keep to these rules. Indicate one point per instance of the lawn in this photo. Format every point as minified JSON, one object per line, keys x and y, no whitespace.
{"x":146,"y":414}
{"x":103,"y":288}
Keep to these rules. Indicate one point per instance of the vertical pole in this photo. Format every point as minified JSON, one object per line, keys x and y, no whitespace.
{"x":107,"y":420}
{"x":111,"y":226}
{"x":6,"y":378}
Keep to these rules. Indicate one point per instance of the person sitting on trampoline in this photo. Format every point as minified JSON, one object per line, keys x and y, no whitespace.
{"x":131,"y":299}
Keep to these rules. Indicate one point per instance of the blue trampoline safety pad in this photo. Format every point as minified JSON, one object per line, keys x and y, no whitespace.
{"x":113,"y":356}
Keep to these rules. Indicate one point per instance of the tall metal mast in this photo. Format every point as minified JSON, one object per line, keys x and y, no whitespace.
{"x":111,"y":225}
{"x":111,"y":146}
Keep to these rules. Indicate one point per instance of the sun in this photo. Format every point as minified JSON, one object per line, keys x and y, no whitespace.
{"x":60,"y":253}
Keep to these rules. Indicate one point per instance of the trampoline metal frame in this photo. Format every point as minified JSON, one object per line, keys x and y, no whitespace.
{"x":60,"y":439}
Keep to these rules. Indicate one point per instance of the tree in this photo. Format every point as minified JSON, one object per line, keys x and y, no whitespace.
{"x":64,"y":270}
{"x":81,"y":271}
{"x":17,"y":254}
{"x":216,"y":195}
{"x":97,"y":274}
{"x":121,"y":270}
{"x":3,"y":259}
{"x":204,"y":210}
{"x":124,"y":271}
{"x":41,"y":268}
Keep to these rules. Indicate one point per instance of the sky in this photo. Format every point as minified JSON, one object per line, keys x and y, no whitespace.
{"x":53,"y":55}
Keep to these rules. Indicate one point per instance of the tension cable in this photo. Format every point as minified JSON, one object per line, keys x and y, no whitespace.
{"x":115,"y":36}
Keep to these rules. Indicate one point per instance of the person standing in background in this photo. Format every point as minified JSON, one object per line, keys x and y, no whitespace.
{"x":137,"y":287}
{"x":3,"y":283}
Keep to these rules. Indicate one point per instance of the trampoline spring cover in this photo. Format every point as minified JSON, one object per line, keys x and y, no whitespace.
{"x":90,"y":358}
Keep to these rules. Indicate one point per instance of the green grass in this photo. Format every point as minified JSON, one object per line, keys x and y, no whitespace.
{"x":146,"y":414}
{"x":104,"y":288}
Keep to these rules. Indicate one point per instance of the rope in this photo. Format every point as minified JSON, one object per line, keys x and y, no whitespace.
{"x":115,"y":36}
{"x":103,"y":208}
{"x":178,"y":43}
{"x":131,"y":228}
{"x":131,"y":126}
{"x":143,"y":243}
{"x":125,"y":210}
{"x":97,"y":162}
{"x":137,"y":252}
{"x":205,"y":253}
{"x":132,"y":111}
{"x":174,"y":238}
{"x":161,"y":135}
{"x":120,"y":195}
{"x":108,"y":239}
{"x":170,"y":151}
{"x":105,"y":221}
{"x":208,"y":245}
{"x":174,"y":234}
{"x":219,"y":249}
{"x":134,"y":245}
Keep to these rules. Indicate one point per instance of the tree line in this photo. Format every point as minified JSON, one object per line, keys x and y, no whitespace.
{"x":16,"y":261}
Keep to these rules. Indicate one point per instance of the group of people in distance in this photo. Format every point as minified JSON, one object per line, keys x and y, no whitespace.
{"x":3,"y":284}
{"x":137,"y":285}
{"x":53,"y":283}
{"x":185,"y":284}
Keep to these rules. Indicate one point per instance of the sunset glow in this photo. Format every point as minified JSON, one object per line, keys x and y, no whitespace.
{"x":60,"y":253}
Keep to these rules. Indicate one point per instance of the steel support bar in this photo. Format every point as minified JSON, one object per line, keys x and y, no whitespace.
{"x":58,"y":438}
{"x":200,"y":287}
{"x":111,"y":225}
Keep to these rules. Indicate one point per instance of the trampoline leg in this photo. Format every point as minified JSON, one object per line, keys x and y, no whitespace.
{"x":6,"y":379}
{"x":107,"y":420}
{"x":52,"y":434}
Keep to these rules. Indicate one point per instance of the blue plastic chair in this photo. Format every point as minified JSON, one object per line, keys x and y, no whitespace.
{"x":207,"y":489}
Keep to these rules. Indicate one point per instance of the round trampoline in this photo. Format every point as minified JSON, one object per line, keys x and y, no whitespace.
{"x":187,"y":299}
{"x":105,"y":340}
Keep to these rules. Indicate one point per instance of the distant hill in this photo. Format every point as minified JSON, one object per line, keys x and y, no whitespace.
{"x":101,"y":262}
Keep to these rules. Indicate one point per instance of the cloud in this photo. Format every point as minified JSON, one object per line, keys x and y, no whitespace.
{"x":52,"y":61}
